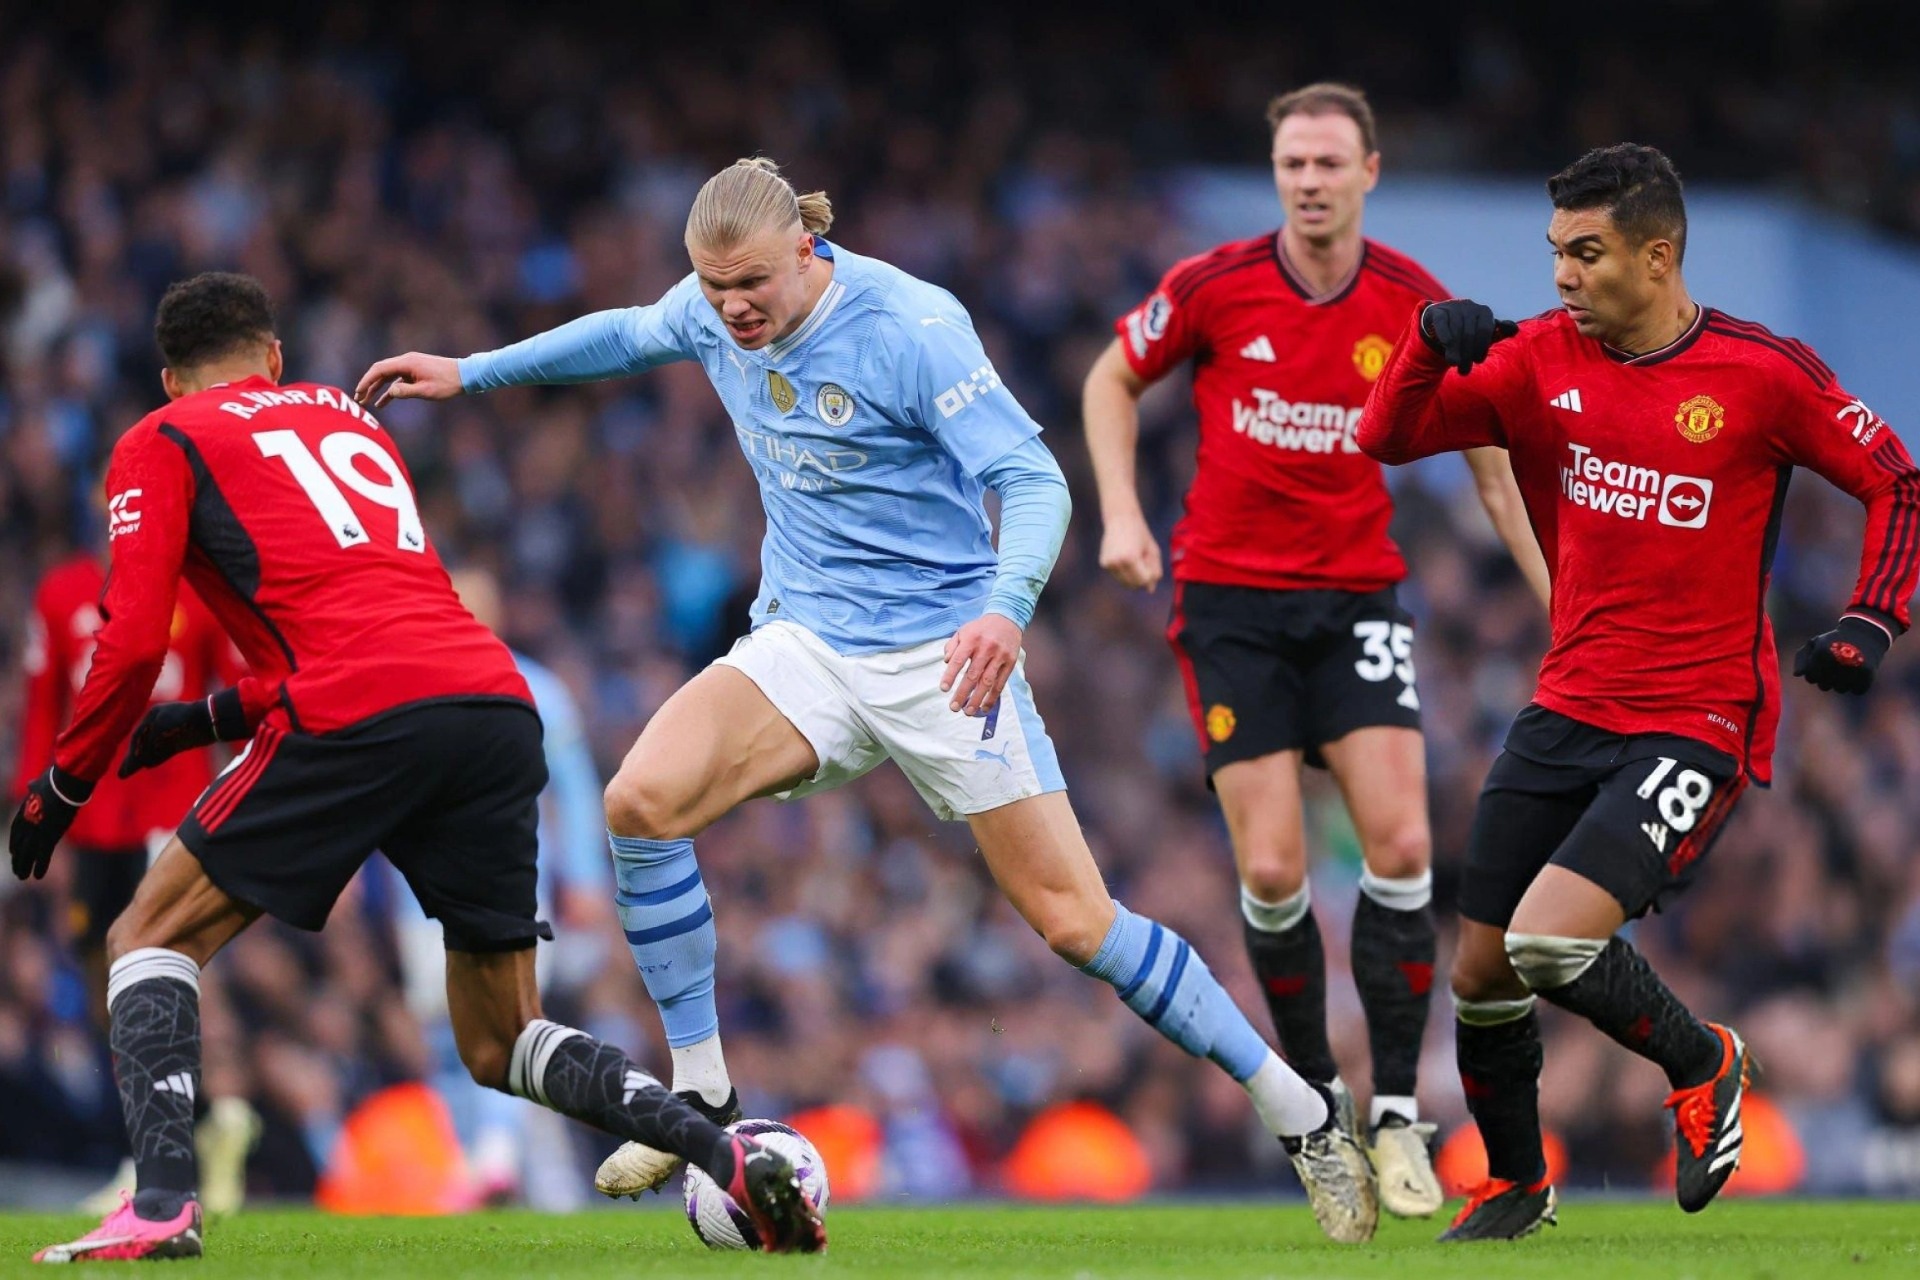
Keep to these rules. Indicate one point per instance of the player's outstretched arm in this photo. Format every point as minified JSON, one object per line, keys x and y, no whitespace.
{"x":1110,"y":409}
{"x":1500,"y":495}
{"x":413,"y":376}
{"x":1416,"y":411}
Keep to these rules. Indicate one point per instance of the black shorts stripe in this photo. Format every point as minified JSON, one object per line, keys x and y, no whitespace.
{"x":265,"y":743}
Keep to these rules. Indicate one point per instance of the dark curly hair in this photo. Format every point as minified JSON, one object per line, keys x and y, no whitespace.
{"x":214,"y":314}
{"x":1637,"y":186}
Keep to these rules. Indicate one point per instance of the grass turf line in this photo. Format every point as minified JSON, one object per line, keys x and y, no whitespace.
{"x":1781,"y":1240}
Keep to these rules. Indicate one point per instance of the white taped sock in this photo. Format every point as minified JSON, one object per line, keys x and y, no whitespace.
{"x":147,"y":963}
{"x":1406,"y":1108}
{"x":1287,"y":1104}
{"x":1408,"y":893}
{"x":1275,"y":917}
{"x":701,"y":1068}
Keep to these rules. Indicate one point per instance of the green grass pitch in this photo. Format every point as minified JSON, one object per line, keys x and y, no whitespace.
{"x":1607,"y":1241}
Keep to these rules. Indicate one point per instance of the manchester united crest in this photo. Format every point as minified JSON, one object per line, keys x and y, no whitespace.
{"x":1220,"y":722}
{"x":1700,"y":419}
{"x":784,"y":396}
{"x":1370,"y":355}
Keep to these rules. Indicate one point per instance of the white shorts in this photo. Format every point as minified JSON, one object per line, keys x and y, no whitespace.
{"x":861,"y":709}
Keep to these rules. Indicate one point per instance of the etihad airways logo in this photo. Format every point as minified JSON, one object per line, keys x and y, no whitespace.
{"x":803,"y":467}
{"x":1630,"y":492}
{"x":1296,"y":425}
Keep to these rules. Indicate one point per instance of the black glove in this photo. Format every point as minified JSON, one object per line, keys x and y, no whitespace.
{"x":1843,"y":660}
{"x":172,"y":727}
{"x":52,"y":800}
{"x":1463,"y":331}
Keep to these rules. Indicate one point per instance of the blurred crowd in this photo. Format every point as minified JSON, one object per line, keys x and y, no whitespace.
{"x":448,"y":177}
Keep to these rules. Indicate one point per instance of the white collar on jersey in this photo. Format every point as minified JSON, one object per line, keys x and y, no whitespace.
{"x":821,"y":310}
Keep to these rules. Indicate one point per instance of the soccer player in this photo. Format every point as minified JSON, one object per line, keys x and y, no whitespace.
{"x":1653,"y":438}
{"x":128,"y":817}
{"x":886,"y":627}
{"x":1290,"y":641}
{"x":381,"y":715}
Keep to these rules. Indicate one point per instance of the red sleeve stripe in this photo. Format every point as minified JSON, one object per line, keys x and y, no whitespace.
{"x":1798,"y":352}
{"x":1891,"y":583}
{"x":1222,"y":261}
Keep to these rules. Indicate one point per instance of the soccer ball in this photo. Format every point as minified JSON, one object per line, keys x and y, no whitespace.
{"x":722,"y":1224}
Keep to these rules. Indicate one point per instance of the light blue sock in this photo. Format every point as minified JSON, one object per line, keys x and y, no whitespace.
{"x":669,"y":925}
{"x":1160,"y":978}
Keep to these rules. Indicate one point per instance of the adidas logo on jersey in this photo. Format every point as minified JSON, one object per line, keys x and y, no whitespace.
{"x":1568,"y":400}
{"x":1259,"y":349}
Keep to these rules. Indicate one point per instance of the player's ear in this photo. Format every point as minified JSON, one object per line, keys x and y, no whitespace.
{"x":803,"y":249}
{"x":170,"y":383}
{"x":1660,"y":258}
{"x":276,"y":361}
{"x":1371,"y":166}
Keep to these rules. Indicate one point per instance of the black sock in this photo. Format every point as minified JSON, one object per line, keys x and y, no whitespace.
{"x":1500,"y":1074}
{"x":1292,"y":968}
{"x":1393,"y":968}
{"x":579,"y":1076}
{"x":1622,"y":995}
{"x":154,"y":1030}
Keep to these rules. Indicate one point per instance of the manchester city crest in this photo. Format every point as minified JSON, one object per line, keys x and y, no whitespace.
{"x":834,"y":405}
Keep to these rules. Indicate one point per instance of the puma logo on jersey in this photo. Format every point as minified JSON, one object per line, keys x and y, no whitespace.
{"x":122,"y":515}
{"x":1568,"y":400}
{"x":1657,"y":834}
{"x":1259,"y":349}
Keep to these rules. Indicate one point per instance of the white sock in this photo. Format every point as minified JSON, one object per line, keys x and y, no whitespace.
{"x":701,"y":1067}
{"x":1287,"y":1104}
{"x":1406,"y":1108}
{"x":1276,"y":917}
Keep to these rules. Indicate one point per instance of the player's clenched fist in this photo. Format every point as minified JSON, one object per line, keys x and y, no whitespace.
{"x":1129,"y":551}
{"x":1463,"y":331}
{"x":1843,"y":660}
{"x":413,"y":376}
{"x":980,"y":658}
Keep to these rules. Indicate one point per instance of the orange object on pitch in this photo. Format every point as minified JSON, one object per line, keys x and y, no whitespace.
{"x":1078,"y":1151}
{"x":849,"y":1141}
{"x":1461,"y":1162}
{"x":1772,"y":1160}
{"x":397,"y":1154}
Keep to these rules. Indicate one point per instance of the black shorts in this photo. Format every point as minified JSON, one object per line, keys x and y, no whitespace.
{"x":1634,"y":813}
{"x":1271,"y":671}
{"x":449,"y":791}
{"x":103,"y":885}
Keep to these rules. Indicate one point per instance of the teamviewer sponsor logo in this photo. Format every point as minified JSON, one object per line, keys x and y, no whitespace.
{"x":1296,"y":425}
{"x":1634,"y":493}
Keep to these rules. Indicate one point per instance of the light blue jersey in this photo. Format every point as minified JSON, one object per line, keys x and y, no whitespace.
{"x":874,"y":429}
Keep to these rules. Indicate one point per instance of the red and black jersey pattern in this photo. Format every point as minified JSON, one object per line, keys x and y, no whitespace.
{"x":1655,"y":483}
{"x":1282,"y":497}
{"x":291,"y":513}
{"x":122,"y":812}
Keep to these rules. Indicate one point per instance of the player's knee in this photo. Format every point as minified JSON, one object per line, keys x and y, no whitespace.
{"x":1274,"y":878}
{"x":1072,"y":933}
{"x":486,"y":1058}
{"x":128,"y":933}
{"x":642,"y":809}
{"x":1547,"y":963}
{"x":1402,"y":854}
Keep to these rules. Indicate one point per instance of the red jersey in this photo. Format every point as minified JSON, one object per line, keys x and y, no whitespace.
{"x":291,"y":513}
{"x":1282,"y":496}
{"x":1655,"y":485}
{"x":123,"y":812}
